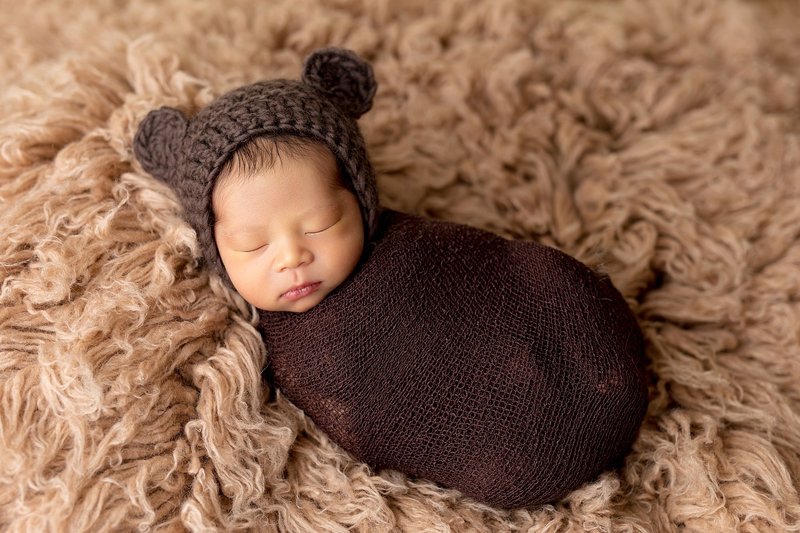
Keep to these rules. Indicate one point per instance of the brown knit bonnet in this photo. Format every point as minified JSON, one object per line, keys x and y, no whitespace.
{"x":336,"y":88}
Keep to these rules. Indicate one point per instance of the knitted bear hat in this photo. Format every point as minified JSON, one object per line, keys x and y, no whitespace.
{"x":336,"y":88}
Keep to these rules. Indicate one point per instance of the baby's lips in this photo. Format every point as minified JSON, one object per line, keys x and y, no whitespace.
{"x":300,"y":291}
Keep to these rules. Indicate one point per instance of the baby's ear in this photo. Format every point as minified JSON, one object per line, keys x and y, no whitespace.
{"x":344,"y":77}
{"x":158,"y":140}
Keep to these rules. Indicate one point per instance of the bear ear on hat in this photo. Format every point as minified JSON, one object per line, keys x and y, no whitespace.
{"x":343,"y":77}
{"x":158,"y":140}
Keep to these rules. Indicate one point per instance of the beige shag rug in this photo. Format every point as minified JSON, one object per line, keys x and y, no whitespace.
{"x":659,"y":139}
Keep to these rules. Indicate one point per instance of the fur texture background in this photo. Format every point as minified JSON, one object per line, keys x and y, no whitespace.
{"x":659,"y":139}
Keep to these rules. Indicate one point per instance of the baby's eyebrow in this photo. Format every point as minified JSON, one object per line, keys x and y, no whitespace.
{"x":232,"y":233}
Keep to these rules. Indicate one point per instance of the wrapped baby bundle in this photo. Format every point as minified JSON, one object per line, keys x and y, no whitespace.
{"x":505,"y":369}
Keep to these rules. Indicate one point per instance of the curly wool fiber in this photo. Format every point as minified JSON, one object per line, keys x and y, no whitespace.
{"x":657,"y":138}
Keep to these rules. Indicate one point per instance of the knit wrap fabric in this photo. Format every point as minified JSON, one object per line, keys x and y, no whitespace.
{"x":336,"y":88}
{"x":505,"y":369}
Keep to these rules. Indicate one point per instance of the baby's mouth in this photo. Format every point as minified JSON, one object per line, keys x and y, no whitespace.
{"x":295,"y":293}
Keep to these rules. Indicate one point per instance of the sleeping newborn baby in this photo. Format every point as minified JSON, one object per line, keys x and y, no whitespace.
{"x":504,"y":369}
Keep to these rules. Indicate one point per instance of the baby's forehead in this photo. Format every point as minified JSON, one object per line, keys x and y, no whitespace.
{"x":321,"y":171}
{"x":324,"y":178}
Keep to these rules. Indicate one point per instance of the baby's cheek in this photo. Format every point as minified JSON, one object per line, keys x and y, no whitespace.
{"x":342,"y":255}
{"x":255,"y":282}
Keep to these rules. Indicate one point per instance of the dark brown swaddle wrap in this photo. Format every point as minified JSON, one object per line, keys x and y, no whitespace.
{"x":505,"y":369}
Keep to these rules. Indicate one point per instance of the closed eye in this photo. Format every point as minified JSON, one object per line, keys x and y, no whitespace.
{"x":324,"y":229}
{"x":256,"y":249}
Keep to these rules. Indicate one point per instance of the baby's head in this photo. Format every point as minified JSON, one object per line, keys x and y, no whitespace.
{"x":286,"y":217}
{"x":274,"y":178}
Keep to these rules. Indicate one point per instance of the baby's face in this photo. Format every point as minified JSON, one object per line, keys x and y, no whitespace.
{"x":287,"y":227}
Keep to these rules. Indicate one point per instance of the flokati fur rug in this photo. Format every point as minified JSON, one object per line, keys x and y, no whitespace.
{"x":657,"y":139}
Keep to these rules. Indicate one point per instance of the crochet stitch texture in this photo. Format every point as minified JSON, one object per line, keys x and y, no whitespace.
{"x":336,"y":88}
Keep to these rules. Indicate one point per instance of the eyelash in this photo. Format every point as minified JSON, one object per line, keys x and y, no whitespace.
{"x":307,"y":233}
{"x":323,"y":229}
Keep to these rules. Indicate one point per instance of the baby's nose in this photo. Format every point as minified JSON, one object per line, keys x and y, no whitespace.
{"x":292,"y":255}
